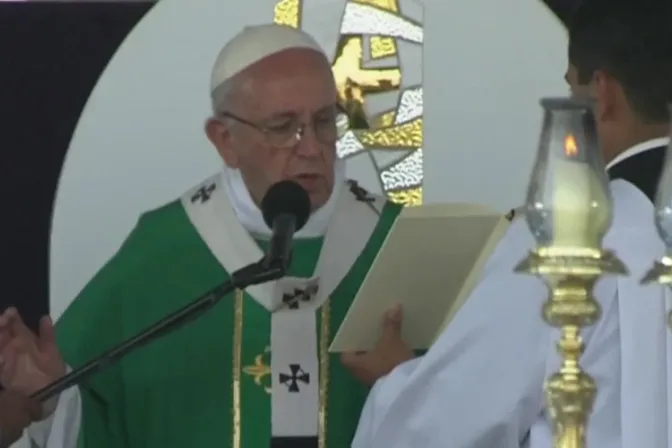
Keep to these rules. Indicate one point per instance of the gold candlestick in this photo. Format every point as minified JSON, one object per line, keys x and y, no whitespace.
{"x":569,"y":210}
{"x":661,"y":272}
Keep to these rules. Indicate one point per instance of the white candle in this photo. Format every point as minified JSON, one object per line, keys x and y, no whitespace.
{"x":580,"y":207}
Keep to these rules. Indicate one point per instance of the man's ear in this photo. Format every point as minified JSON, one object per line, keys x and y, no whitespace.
{"x":605,"y":91}
{"x":219,"y":135}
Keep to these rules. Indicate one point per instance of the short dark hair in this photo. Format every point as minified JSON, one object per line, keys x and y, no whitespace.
{"x":631,"y":40}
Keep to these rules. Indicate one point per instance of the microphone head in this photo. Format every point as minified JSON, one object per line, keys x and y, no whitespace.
{"x":286,"y":198}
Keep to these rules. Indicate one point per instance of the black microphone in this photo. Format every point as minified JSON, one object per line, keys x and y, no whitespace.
{"x":285,"y":208}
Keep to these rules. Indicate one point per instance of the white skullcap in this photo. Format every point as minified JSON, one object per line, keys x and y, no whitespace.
{"x":251,"y":45}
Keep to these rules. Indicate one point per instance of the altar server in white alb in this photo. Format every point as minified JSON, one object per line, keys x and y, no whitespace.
{"x":255,"y":371}
{"x":480,"y":385}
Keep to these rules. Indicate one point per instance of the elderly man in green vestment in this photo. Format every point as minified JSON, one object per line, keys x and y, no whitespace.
{"x":255,"y":371}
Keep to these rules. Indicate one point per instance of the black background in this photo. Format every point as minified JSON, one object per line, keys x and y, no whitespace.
{"x":51,"y":55}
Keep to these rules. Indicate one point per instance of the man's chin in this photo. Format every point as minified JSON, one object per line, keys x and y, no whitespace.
{"x":317,"y":188}
{"x":317,"y":199}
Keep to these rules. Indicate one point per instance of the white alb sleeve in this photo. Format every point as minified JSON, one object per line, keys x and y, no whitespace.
{"x":61,"y":429}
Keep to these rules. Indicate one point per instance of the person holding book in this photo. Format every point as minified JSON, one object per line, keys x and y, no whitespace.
{"x":481,"y":385}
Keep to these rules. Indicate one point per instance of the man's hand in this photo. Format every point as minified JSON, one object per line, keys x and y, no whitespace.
{"x":28,"y":362}
{"x":17,"y":411}
{"x":388,"y":353}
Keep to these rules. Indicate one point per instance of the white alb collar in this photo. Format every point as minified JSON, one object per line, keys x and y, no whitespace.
{"x":639,"y":148}
{"x":251,"y":218}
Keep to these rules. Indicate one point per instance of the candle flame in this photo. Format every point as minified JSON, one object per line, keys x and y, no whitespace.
{"x":571,"y":148}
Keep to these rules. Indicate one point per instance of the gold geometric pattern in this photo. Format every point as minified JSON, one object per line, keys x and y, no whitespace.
{"x":409,"y":196}
{"x":355,"y":81}
{"x":403,"y":136}
{"x":382,"y":47}
{"x":384,"y":120}
{"x":288,"y":13}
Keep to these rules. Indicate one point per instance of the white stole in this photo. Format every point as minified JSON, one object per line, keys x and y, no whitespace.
{"x":294,"y":344}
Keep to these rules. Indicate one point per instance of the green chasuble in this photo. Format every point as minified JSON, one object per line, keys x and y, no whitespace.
{"x":207,"y":384}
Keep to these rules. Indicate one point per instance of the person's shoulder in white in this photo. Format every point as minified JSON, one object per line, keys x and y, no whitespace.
{"x":645,"y":343}
{"x":61,"y":429}
{"x":481,"y":384}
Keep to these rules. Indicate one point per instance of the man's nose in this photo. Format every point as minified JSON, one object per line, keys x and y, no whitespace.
{"x":308,"y":145}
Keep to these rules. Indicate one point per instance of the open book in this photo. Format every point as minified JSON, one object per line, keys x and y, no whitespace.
{"x":430,"y":262}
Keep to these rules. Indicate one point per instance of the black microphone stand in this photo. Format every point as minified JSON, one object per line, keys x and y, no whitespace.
{"x":256,"y":273}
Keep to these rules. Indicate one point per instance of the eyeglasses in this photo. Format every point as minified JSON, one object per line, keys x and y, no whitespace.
{"x":286,"y":131}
